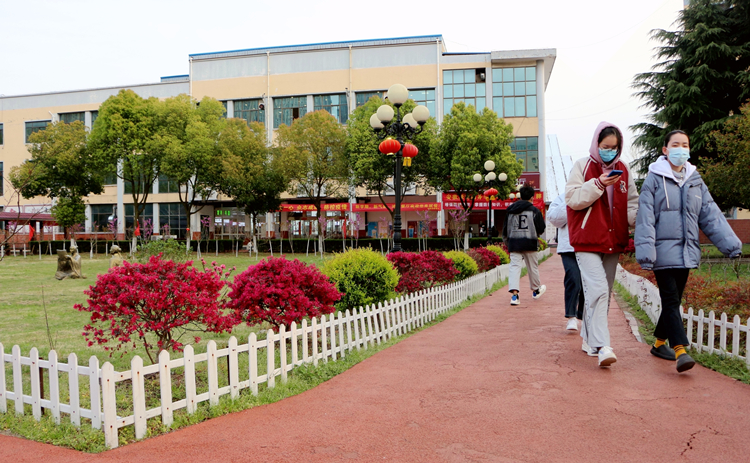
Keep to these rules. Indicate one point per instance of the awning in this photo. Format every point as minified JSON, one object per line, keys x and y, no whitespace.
{"x":25,"y":217}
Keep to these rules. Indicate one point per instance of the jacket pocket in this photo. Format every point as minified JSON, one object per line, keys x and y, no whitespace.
{"x":585,"y":218}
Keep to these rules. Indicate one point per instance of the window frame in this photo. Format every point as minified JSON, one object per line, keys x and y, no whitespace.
{"x":297,"y":111}
{"x":251,"y":111}
{"x":342,"y":105}
{"x":26,"y":128}
{"x":455,"y":88}
{"x":505,"y":95}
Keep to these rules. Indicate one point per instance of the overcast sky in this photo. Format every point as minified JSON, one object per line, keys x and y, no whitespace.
{"x":601,"y":44}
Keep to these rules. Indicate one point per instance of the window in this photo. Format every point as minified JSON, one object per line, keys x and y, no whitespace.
{"x":110,"y":179}
{"x":1,"y":179}
{"x":286,"y":110}
{"x":94,"y":115}
{"x":139,"y":183}
{"x":250,"y":110}
{"x":173,"y":216}
{"x":363,"y":97}
{"x":336,"y":105}
{"x":100,"y":214}
{"x":464,"y":85}
{"x":514,"y":91}
{"x":527,"y":150}
{"x":167,"y":185}
{"x":147,"y":213}
{"x":424,"y":97}
{"x":224,"y":103}
{"x":35,"y":126}
{"x":69,"y":118}
{"x":1,"y":134}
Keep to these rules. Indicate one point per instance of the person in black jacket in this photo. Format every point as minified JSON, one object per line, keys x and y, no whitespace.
{"x":523,"y":226}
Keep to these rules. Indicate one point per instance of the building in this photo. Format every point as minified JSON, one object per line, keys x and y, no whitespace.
{"x":276,"y":85}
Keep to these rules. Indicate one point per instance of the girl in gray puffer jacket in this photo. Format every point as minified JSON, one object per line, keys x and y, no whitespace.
{"x":674,"y":205}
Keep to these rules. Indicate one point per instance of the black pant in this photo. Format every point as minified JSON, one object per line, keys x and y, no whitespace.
{"x":573,"y":288}
{"x":671,"y":283}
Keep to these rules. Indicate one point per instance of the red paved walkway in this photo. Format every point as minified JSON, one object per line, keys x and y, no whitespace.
{"x":493,"y":383}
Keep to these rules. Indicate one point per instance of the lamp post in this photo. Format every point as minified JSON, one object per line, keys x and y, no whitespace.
{"x":400,"y":129}
{"x":491,"y":192}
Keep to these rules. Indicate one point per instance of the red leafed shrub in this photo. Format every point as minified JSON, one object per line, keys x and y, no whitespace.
{"x":161,"y":298}
{"x":421,"y":270}
{"x":279,"y":291}
{"x":486,"y":259}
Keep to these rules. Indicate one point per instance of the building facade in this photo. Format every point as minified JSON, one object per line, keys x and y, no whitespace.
{"x":276,"y":85}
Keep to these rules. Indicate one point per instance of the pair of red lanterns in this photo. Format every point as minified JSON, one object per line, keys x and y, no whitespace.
{"x":391,"y":146}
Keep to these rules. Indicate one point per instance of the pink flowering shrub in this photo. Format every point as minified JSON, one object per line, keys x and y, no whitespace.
{"x":279,"y":291}
{"x":160,"y":298}
{"x":486,"y":259}
{"x":421,"y":270}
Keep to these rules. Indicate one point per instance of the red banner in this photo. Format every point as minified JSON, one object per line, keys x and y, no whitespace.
{"x":380,"y":207}
{"x":286,"y":207}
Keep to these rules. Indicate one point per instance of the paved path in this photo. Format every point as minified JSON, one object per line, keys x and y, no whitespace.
{"x":493,"y":383}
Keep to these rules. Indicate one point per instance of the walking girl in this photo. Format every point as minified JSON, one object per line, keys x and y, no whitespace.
{"x":602,"y":203}
{"x":674,"y":205}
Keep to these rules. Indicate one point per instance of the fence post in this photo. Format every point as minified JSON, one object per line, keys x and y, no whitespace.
{"x":54,"y":386}
{"x":36,"y":400}
{"x":349,"y":330}
{"x":700,"y":330}
{"x":139,"y":396}
{"x":3,"y":405}
{"x":315,"y":341}
{"x":736,"y":332}
{"x":339,"y":322}
{"x":270,"y":360}
{"x":95,"y":389}
{"x":690,"y":325}
{"x":110,"y":405}
{"x":711,"y":331}
{"x":234,"y":371}
{"x":252,"y":352}
{"x":190,"y":401}
{"x":75,"y":406}
{"x":165,"y":388}
{"x":295,"y":349}
{"x":305,"y":348}
{"x":213,"y":373}
{"x":723,"y":333}
{"x":282,"y":352}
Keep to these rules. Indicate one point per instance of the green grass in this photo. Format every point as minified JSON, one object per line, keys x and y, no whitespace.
{"x":301,"y":379}
{"x":714,"y":253}
{"x":645,"y":325}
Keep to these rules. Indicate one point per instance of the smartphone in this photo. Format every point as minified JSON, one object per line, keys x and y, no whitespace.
{"x":615,"y":173}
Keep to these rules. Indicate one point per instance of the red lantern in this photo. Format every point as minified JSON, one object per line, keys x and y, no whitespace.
{"x":409,"y":152}
{"x":389,"y":146}
{"x":492,"y":192}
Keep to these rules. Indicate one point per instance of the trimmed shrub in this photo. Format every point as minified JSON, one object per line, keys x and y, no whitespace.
{"x":363,"y":276}
{"x":486,"y":259}
{"x":421,"y":270}
{"x":279,"y":291}
{"x":500,"y":252}
{"x":543,"y":244}
{"x":169,"y":249}
{"x":465,"y":265}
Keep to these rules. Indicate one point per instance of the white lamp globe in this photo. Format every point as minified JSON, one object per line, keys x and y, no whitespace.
{"x":375,"y":122}
{"x":385,"y":114}
{"x":409,"y":119}
{"x":491,"y":176}
{"x":421,"y":113}
{"x":477,"y":177}
{"x":489,"y":165}
{"x":398,"y":94}
{"x":512,"y":196}
{"x":502,"y":177}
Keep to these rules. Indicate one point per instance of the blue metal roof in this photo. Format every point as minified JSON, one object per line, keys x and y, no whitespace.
{"x":319,"y":46}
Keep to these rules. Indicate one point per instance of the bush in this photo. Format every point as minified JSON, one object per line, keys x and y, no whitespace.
{"x":363,"y":276}
{"x":486,"y":259}
{"x":465,"y":265}
{"x":279,"y":291}
{"x":169,"y":249}
{"x":500,"y":252}
{"x":421,"y":270}
{"x":543,"y":244}
{"x":160,"y":297}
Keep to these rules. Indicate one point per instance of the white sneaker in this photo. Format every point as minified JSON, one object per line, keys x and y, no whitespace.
{"x":572,"y":324}
{"x":538,"y":293}
{"x":588,"y":349}
{"x":606,"y":356}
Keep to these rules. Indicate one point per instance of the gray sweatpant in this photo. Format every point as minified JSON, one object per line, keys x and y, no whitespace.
{"x":597,"y":277}
{"x":516,"y":264}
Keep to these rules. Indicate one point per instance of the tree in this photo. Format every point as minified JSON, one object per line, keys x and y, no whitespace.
{"x":312,"y":154}
{"x":369,"y":167}
{"x":702,"y":80}
{"x":465,"y":141}
{"x":191,"y":158}
{"x":727,"y":175}
{"x":62,"y":168}
{"x":125,"y":140}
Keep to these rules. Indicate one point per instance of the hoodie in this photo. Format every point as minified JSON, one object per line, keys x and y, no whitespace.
{"x":523,"y":226}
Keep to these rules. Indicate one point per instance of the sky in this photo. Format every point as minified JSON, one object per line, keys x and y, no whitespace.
{"x":601,"y":44}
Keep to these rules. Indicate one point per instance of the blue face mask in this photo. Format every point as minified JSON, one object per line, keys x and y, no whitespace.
{"x":607,"y":155}
{"x":678,"y":156}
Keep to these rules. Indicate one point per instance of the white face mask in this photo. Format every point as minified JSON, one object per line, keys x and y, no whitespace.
{"x":678,"y":156}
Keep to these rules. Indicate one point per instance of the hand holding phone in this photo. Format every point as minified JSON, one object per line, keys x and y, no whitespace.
{"x":614,"y":173}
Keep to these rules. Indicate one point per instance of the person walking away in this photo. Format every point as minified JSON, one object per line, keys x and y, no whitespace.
{"x":574,"y":299}
{"x":523,"y":226}
{"x":674,"y":205}
{"x":602,"y":202}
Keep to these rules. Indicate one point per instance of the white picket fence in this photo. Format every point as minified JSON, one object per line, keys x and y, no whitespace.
{"x":324,"y":338}
{"x":701,"y":330}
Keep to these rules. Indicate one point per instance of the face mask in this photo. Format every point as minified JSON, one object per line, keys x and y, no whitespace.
{"x":678,"y":156}
{"x":607,"y":155}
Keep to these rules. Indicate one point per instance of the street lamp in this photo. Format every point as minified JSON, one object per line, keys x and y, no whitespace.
{"x":491,"y":192}
{"x":406,"y":128}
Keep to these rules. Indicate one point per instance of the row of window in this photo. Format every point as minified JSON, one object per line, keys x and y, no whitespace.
{"x":172,"y":218}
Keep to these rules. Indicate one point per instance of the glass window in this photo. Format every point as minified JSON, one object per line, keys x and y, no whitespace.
{"x":447,"y":77}
{"x":100,"y":214}
{"x":110,"y":179}
{"x":35,"y":126}
{"x":514,"y":90}
{"x":336,"y":105}
{"x":172,"y":215}
{"x":147,"y":213}
{"x":469,"y":75}
{"x":94,"y":115}
{"x":286,"y":110}
{"x":1,"y":179}
{"x":364,"y":97}
{"x":425,"y":97}
{"x":250,"y":110}
{"x":167,"y":185}
{"x":1,"y":134}
{"x":458,"y":77}
{"x":470,"y":90}
{"x":224,"y":103}
{"x":69,"y":118}
{"x":458,"y":91}
{"x":527,"y":150}
{"x":466,"y":87}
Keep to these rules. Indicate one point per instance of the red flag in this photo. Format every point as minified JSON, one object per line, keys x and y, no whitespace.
{"x":31,"y":233}
{"x":138,"y":230}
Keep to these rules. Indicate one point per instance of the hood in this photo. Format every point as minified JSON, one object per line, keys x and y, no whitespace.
{"x":594,"y":149}
{"x":519,"y":206}
{"x":664,"y":168}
